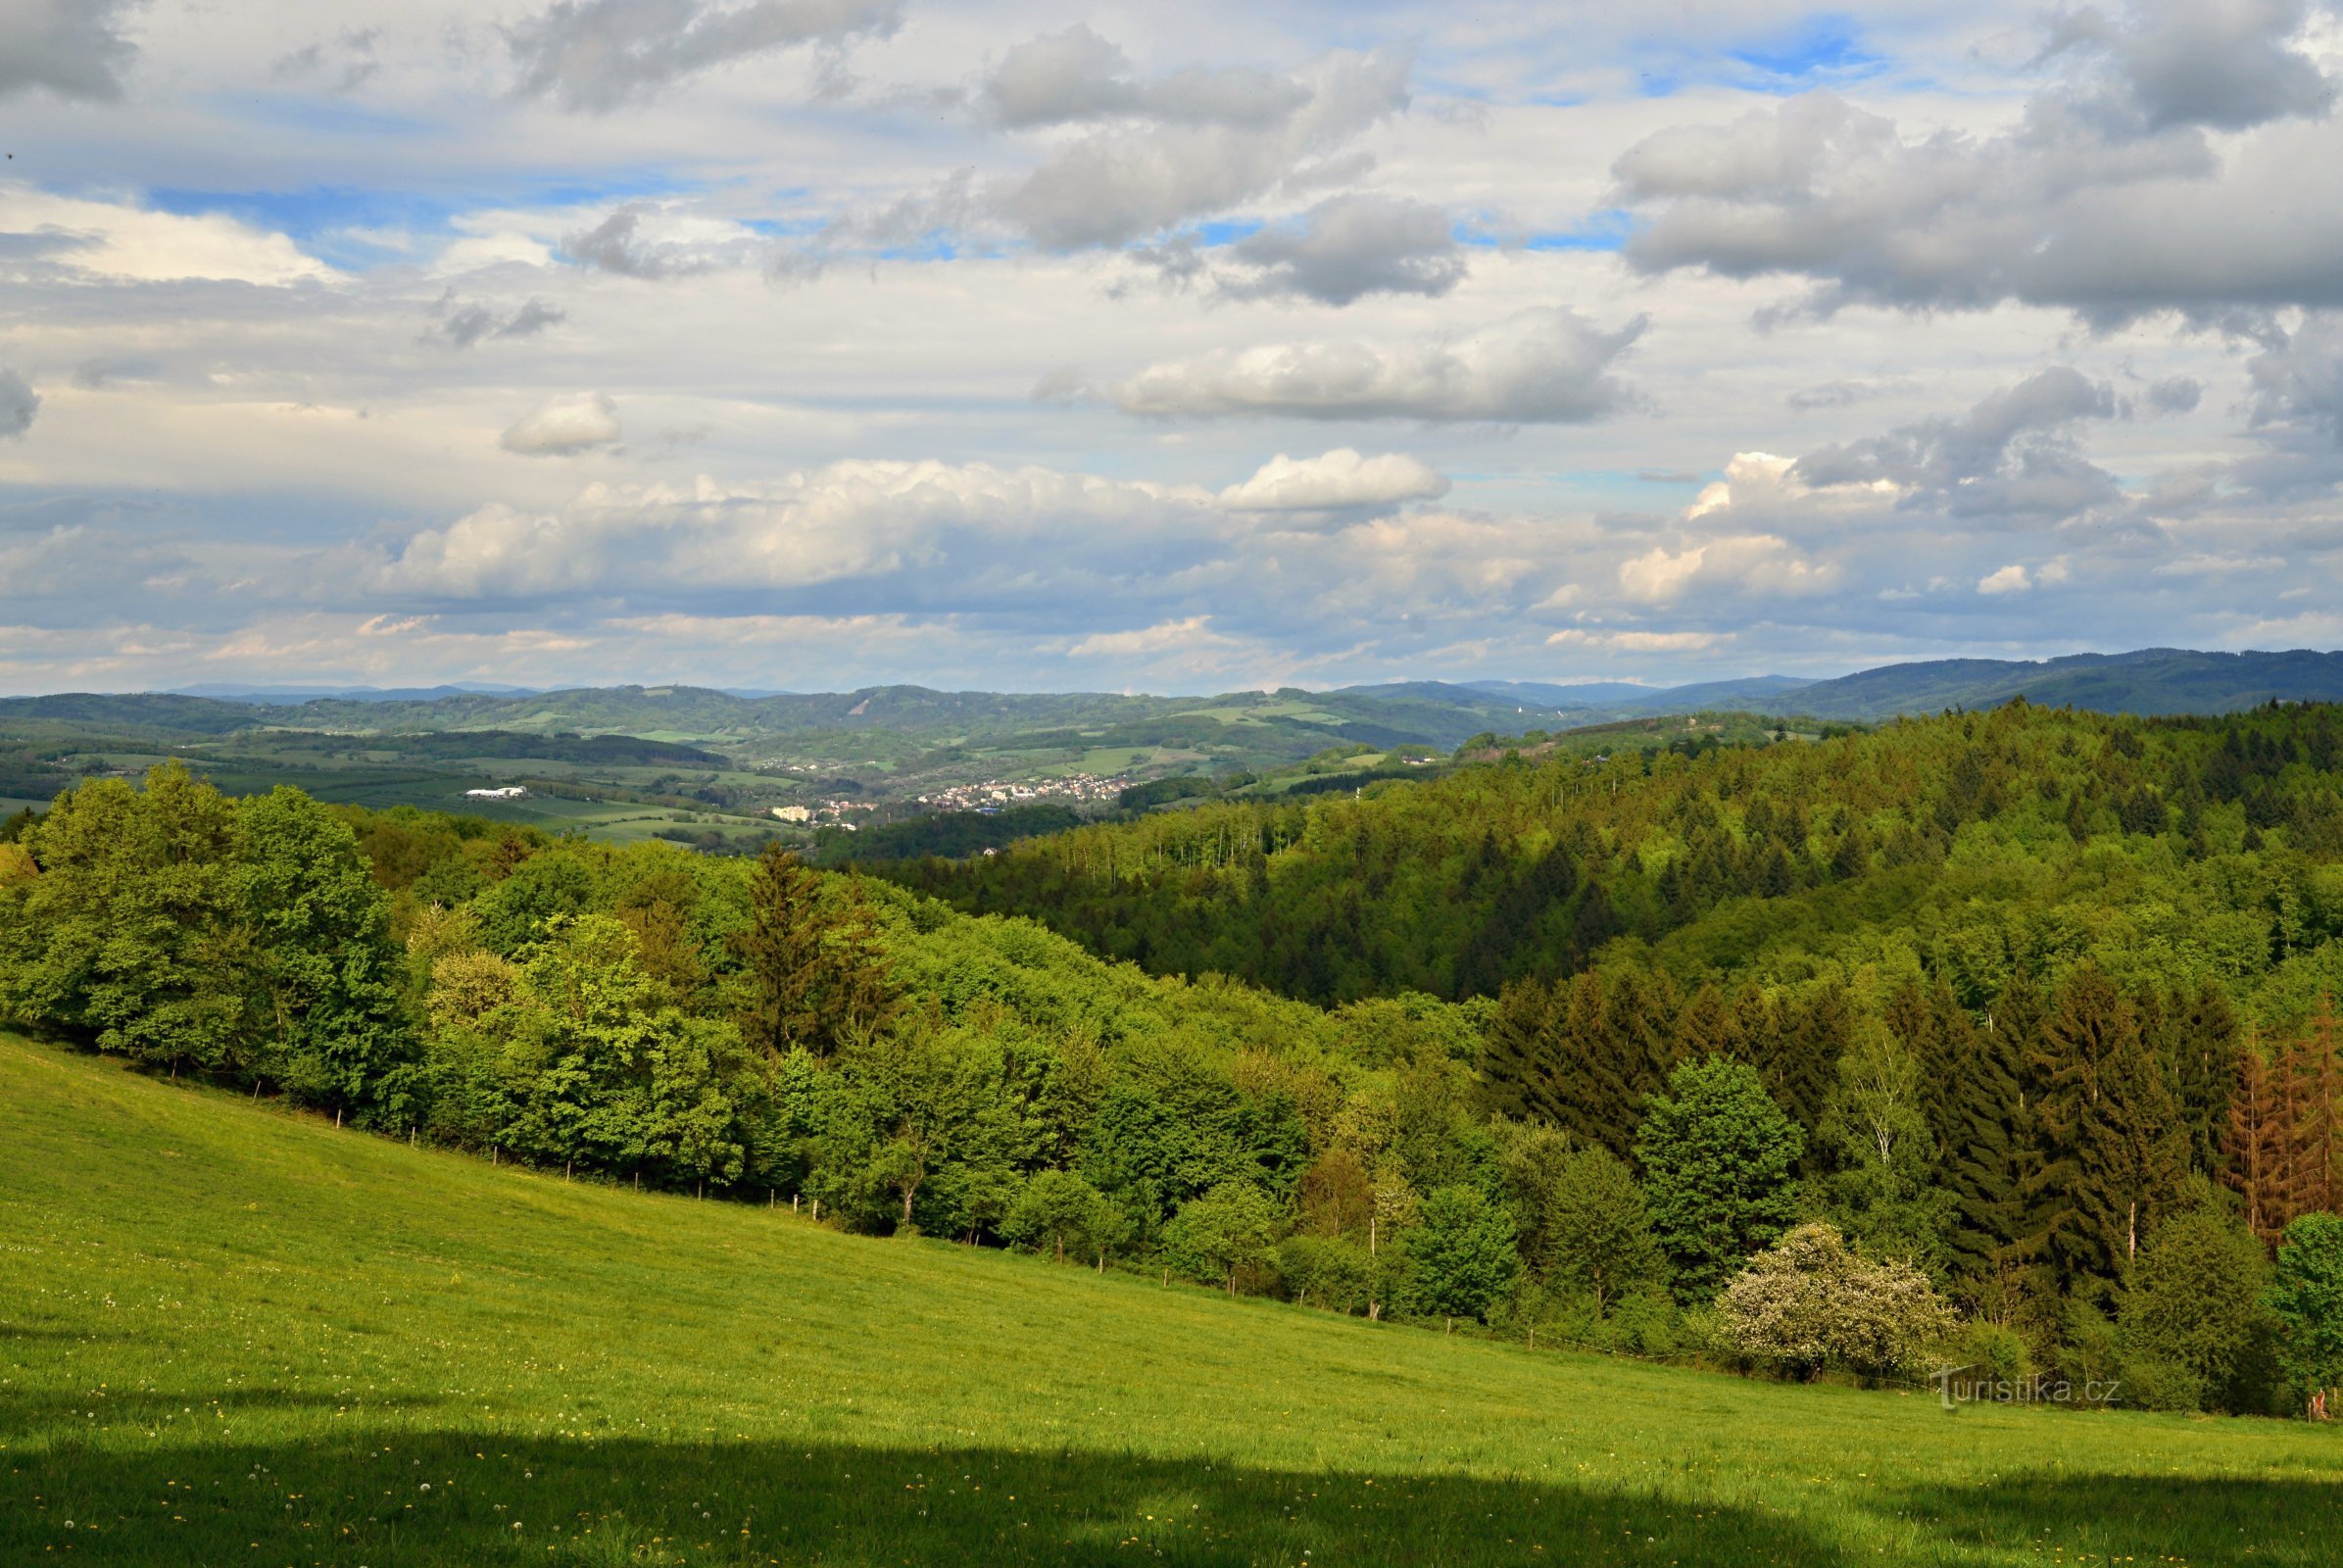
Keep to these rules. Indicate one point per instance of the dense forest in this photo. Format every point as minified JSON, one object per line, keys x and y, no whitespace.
{"x":1999,"y":1035}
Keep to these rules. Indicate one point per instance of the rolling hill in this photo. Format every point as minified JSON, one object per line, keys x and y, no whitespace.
{"x":228,"y":1334}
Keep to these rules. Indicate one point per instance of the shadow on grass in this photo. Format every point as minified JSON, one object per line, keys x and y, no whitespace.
{"x":389,"y":1500}
{"x":2052,"y":1518}
{"x":25,"y":1415}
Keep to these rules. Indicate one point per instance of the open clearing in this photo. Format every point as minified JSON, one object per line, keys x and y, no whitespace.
{"x":231,"y":1335}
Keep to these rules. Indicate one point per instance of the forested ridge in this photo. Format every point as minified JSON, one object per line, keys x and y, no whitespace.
{"x":2005,"y":1031}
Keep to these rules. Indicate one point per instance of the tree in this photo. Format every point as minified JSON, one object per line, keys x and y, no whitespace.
{"x":1221,"y":1234}
{"x":1335,"y":1269}
{"x":1716,"y":1155}
{"x":324,"y":973}
{"x":2306,"y":1294}
{"x":2192,"y":1300}
{"x":129,"y":938}
{"x":815,"y":974}
{"x":1058,"y":1210}
{"x":1598,"y":1231}
{"x":1460,"y":1253}
{"x":1884,"y":1193}
{"x":1810,"y":1300}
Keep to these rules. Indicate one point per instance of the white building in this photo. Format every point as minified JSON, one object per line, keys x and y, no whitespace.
{"x":511,"y":792}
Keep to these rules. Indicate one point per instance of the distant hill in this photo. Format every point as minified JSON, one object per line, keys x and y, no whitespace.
{"x":2151,"y":681}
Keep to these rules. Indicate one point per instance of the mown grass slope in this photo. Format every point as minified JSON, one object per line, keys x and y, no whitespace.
{"x":232,"y":1336}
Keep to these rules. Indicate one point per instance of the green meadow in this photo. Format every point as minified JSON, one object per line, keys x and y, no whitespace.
{"x":233,"y":1335}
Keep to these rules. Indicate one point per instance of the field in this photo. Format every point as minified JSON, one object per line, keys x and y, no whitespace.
{"x":231,"y":1335}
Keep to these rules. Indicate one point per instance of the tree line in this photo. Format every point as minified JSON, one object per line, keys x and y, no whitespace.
{"x":1794,"y":1159}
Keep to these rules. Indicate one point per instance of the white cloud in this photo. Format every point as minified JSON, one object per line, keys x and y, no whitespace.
{"x":1638,"y":642}
{"x":560,"y":427}
{"x":1544,"y":366}
{"x":1336,"y":479}
{"x":134,"y":244}
{"x":2010,"y":579}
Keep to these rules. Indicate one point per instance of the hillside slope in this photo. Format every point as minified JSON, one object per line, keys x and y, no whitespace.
{"x":227,"y":1335}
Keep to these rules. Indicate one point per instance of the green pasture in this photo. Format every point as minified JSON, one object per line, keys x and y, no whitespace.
{"x":233,"y":1335}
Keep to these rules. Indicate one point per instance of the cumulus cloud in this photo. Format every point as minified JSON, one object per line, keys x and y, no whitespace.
{"x":563,"y":426}
{"x":1155,"y":164}
{"x":2010,"y":453}
{"x":2298,"y":383}
{"x":19,"y":403}
{"x":74,"y":48}
{"x":1338,"y":479}
{"x":2107,"y":197}
{"x":1348,"y":246}
{"x":2175,"y":394}
{"x":1076,"y":75}
{"x":464,"y":324}
{"x":1543,"y":366}
{"x":600,"y":55}
{"x":961,"y":530}
{"x":2012,"y":580}
{"x":2228,"y":64}
{"x":1748,"y":563}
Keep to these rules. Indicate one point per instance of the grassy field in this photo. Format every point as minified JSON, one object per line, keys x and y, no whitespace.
{"x":231,"y":1335}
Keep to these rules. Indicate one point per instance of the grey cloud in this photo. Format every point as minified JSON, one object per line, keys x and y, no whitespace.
{"x":600,"y":55}
{"x":2226,"y":64}
{"x":1840,"y":394}
{"x":1076,"y":75}
{"x":1546,"y":366}
{"x":93,"y":375}
{"x":2297,"y":385}
{"x":2106,"y":198}
{"x":618,"y":244}
{"x":464,"y":324}
{"x":1123,"y":182}
{"x":1351,"y":245}
{"x":2175,"y":394}
{"x":75,"y":48}
{"x":19,"y":403}
{"x":2009,"y":454}
{"x":346,"y":67}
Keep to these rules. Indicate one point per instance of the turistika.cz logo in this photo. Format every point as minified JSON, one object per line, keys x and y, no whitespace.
{"x":2032,"y":1388}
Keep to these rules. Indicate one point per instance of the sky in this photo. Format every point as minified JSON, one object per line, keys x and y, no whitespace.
{"x":815,"y":344}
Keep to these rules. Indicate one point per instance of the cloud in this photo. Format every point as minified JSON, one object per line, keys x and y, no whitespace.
{"x":563,"y":426}
{"x":930,"y":528}
{"x":2297,"y":383}
{"x":1747,"y":563}
{"x":1163,"y":166}
{"x":74,"y":48}
{"x":2010,"y":579}
{"x":1348,"y":246}
{"x":134,"y":244}
{"x":2107,"y":197}
{"x":1841,"y":394}
{"x":2226,"y":63}
{"x":1543,"y":366}
{"x":1638,"y":642}
{"x":2175,"y":394}
{"x":2008,"y":454}
{"x":346,"y":66}
{"x":596,"y":56}
{"x":1191,"y":635}
{"x":19,"y":404}
{"x":1338,"y":479}
{"x":1076,"y":75}
{"x":464,"y":324}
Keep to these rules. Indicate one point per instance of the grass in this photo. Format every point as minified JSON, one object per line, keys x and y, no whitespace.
{"x":232,"y":1335}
